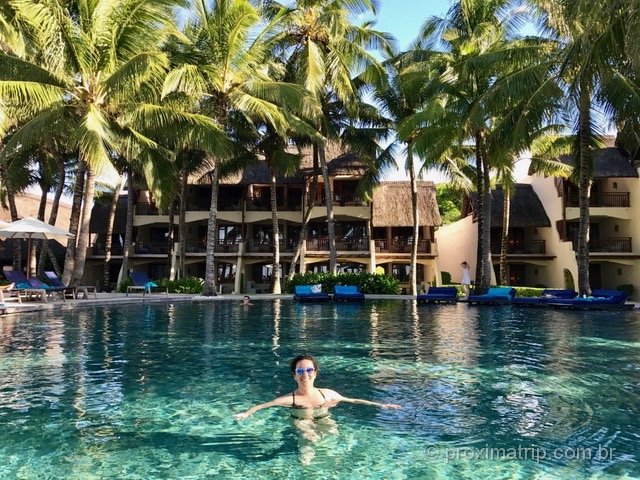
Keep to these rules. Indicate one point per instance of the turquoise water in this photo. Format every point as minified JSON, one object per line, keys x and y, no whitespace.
{"x":149,"y":392}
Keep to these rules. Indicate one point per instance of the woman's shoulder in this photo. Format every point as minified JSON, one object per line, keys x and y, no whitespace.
{"x":330,"y":394}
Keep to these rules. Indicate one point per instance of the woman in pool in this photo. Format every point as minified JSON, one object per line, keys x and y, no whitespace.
{"x":308,"y":401}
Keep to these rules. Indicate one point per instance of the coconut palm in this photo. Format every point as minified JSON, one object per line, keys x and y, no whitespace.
{"x":592,"y":59}
{"x":470,"y":49}
{"x":91,"y":75}
{"x":326,"y":51}
{"x":225,"y":68}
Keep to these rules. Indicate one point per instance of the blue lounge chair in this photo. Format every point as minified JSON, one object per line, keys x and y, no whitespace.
{"x":309,"y":293}
{"x":439,"y":295}
{"x":600,"y":300}
{"x":546,"y":296}
{"x":55,"y":281}
{"x":347,"y":293}
{"x":495,"y":296}
{"x":22,"y":286}
{"x":142,"y":283}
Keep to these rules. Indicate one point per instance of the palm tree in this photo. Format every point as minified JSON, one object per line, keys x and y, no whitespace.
{"x":470,"y":50}
{"x":225,"y":69}
{"x":91,"y":75}
{"x":325,"y":51}
{"x":592,"y":62}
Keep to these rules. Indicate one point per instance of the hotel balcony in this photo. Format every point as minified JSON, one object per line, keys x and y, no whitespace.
{"x":401,"y":246}
{"x":608,"y":245}
{"x":351,"y":244}
{"x":605,"y":199}
{"x":200,"y":246}
{"x":266,"y":246}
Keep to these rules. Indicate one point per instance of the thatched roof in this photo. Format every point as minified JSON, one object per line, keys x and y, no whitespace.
{"x":526,"y":208}
{"x":259,"y":174}
{"x":100,"y":216}
{"x":608,"y":162}
{"x":392,"y":205}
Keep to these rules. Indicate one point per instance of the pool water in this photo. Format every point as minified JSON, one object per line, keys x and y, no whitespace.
{"x":149,"y":392}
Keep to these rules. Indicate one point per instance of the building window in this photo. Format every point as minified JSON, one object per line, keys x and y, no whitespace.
{"x":619,"y":271}
{"x":615,"y":184}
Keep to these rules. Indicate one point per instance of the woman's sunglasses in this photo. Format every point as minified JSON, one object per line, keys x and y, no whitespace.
{"x":300,"y":371}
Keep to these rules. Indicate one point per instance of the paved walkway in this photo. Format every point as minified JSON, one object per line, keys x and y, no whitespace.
{"x":109,"y":299}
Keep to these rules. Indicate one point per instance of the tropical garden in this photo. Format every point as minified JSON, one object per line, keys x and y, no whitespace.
{"x":161,"y":91}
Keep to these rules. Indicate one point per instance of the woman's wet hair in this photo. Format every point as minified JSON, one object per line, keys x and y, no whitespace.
{"x":295,"y":361}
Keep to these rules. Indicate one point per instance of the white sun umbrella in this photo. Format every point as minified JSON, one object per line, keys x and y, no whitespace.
{"x":32,"y":228}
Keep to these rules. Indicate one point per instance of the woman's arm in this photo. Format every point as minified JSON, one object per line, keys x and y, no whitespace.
{"x":278,"y":402}
{"x":392,"y":406}
{"x":335,"y":397}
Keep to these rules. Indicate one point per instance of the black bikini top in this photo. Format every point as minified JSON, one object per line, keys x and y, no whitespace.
{"x":293,"y":404}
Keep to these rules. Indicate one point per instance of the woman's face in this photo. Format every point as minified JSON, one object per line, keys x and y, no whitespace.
{"x":305,"y":371}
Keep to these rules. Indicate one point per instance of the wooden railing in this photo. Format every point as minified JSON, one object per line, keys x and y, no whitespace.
{"x":401,"y":246}
{"x":605,"y":199}
{"x":360,"y":244}
{"x":611,"y":244}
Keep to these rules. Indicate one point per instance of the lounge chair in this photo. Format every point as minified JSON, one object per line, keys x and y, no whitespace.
{"x":495,"y":296}
{"x":546,"y":296}
{"x":347,"y":293}
{"x":22,"y":286}
{"x":600,"y":300}
{"x":142,"y":283}
{"x":55,"y":281}
{"x":51,"y":290}
{"x":309,"y":293}
{"x":439,"y":295}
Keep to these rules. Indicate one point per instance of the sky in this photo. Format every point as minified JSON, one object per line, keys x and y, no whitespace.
{"x":403,"y":19}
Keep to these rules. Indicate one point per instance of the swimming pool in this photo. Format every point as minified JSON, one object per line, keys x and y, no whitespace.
{"x":149,"y":392}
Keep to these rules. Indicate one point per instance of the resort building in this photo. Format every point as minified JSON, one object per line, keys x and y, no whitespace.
{"x":544,"y":218}
{"x":371,"y":235}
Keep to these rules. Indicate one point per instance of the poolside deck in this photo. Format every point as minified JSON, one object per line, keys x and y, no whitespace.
{"x":112,"y":299}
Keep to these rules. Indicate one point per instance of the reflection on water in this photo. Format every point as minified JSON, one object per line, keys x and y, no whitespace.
{"x":149,"y":391}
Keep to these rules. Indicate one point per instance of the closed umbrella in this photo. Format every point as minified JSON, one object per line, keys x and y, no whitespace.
{"x":32,"y":228}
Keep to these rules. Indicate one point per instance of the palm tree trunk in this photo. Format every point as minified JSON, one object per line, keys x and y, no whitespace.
{"x":128,"y":230}
{"x":584,"y":190}
{"x":486,"y":226}
{"x":479,"y":212}
{"x":84,"y":234}
{"x":182,"y":228}
{"x":170,"y":244}
{"x":416,"y":220}
{"x":305,"y":222}
{"x":331,"y":227}
{"x":276,"y":288}
{"x":53,"y":216}
{"x":74,"y":221}
{"x":506,"y":206}
{"x":13,"y":210}
{"x":210,"y":277}
{"x":109,"y":239}
{"x":42,"y":208}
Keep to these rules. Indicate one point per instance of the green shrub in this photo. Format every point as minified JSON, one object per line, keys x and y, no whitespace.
{"x":184,"y":285}
{"x":368,"y":282}
{"x":122,"y":288}
{"x":446,"y":278}
{"x":626,"y":287}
